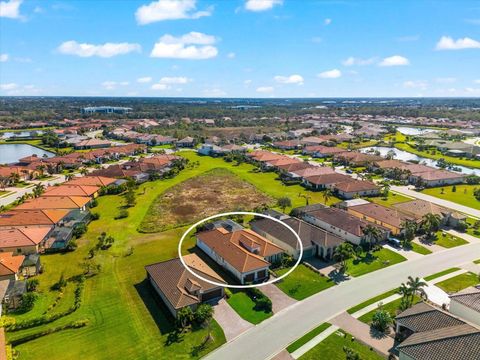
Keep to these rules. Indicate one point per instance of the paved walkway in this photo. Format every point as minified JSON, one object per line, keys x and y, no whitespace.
{"x":429,"y":245}
{"x":3,"y":347}
{"x":283,"y":355}
{"x":471,"y":266}
{"x":374,"y":306}
{"x":231,"y":323}
{"x":361,"y":331}
{"x":404,"y":190}
{"x":280,"y":300}
{"x":312,"y":343}
{"x":448,"y":276}
{"x":408,"y":254}
{"x":464,"y":236}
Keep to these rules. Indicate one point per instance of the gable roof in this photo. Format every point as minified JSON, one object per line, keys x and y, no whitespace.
{"x":424,"y":317}
{"x":32,"y":217}
{"x":354,"y":185}
{"x":91,"y":181}
{"x":470,"y":298}
{"x":19,"y":237}
{"x":55,"y":202}
{"x":381,"y":213}
{"x":326,"y":179}
{"x":9,"y":264}
{"x":71,"y":190}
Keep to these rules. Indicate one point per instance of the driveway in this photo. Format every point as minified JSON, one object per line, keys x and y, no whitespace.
{"x":280,"y":300}
{"x":404,"y":190}
{"x":231,"y":323}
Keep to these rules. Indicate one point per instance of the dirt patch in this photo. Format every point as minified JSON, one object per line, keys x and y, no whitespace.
{"x":211,"y":193}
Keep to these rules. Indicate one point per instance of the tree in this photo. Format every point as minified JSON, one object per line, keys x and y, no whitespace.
{"x":203,"y":314}
{"x":351,"y":354}
{"x":390,"y":154}
{"x":417,"y":287}
{"x":38,"y":190}
{"x":343,"y":252}
{"x":381,"y":320}
{"x":84,"y":171}
{"x":185,"y":317}
{"x":327,"y":195}
{"x":306,"y":197}
{"x":130,"y":197}
{"x":372,"y":234}
{"x":385,"y":189}
{"x":430,"y":223}
{"x":410,"y":228}
{"x":284,"y":202}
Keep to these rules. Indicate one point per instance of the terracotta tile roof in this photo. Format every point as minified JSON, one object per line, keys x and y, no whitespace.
{"x":93,"y":142}
{"x":295,"y":166}
{"x":231,"y":246}
{"x":328,"y":179}
{"x":357,"y":157}
{"x":328,"y":150}
{"x":313,"y":171}
{"x":10,"y":264}
{"x":419,"y":208}
{"x":389,"y":164}
{"x":287,"y":143}
{"x":71,"y":190}
{"x":54,"y":202}
{"x":91,"y":181}
{"x":439,"y":175}
{"x":383,"y":214}
{"x":355,"y":185}
{"x":177,"y":284}
{"x":285,"y":160}
{"x":18,"y":237}
{"x":32,"y":217}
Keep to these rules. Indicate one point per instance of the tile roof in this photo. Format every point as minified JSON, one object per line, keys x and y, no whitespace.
{"x":177,"y":284}
{"x":438,"y":175}
{"x":353,"y":185}
{"x":32,"y":217}
{"x":19,"y":237}
{"x":419,"y":208}
{"x":91,"y":181}
{"x":470,"y":298}
{"x":423,"y":317}
{"x":71,"y":190}
{"x":54,"y":202}
{"x":327,"y":179}
{"x":313,"y":171}
{"x":381,"y":213}
{"x":10,"y":264}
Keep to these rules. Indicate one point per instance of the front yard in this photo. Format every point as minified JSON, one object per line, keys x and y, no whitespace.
{"x":448,"y":241}
{"x":392,"y":307}
{"x":245,"y":307}
{"x":463,"y":194}
{"x":459,"y":282}
{"x":376,"y":260}
{"x":303,"y":282}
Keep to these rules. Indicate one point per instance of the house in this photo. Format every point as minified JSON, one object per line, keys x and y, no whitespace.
{"x":14,"y":292}
{"x":92,"y":181}
{"x":355,"y":158}
{"x":311,"y":171}
{"x":419,"y":208}
{"x":389,"y":218}
{"x":352,"y":188}
{"x":33,"y":218}
{"x":434,"y":178}
{"x":25,"y":240}
{"x":31,"y":265}
{"x":178,"y":288}
{"x":339,"y":222}
{"x":92,"y":144}
{"x":211,"y":150}
{"x":326,"y":181}
{"x":56,"y":202}
{"x":287,"y":144}
{"x":288,"y":169}
{"x":321,"y":151}
{"x":466,"y":305}
{"x":10,"y":266}
{"x":315,"y":241}
{"x":430,"y":333}
{"x":243,"y":253}
{"x":72,"y":190}
{"x":187,"y":142}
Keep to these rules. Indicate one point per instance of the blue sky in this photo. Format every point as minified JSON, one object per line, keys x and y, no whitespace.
{"x":240,"y":48}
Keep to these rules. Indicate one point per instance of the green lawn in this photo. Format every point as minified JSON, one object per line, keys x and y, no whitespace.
{"x":420,"y":249}
{"x":332,"y":348}
{"x":441,"y":273}
{"x":303,"y":282}
{"x":448,"y":241}
{"x":477,"y":261}
{"x":245,"y":307}
{"x":471,"y":227}
{"x":463,"y":195}
{"x":371,"y":301}
{"x":392,"y":307}
{"x":459,"y":282}
{"x":297,"y":344}
{"x":393,"y":198}
{"x":374,"y":261}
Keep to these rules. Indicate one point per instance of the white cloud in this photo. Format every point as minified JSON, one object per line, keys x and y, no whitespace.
{"x":174,"y":80}
{"x":9,"y":86}
{"x":112,"y":85}
{"x":415,"y":84}
{"x":104,"y":50}
{"x":169,"y":10}
{"x":265,"y":89}
{"x":231,"y":55}
{"x":292,"y":79}
{"x":214,"y":92}
{"x":185,"y":47}
{"x":448,"y":43}
{"x":4,"y":57}
{"x":144,"y":80}
{"x":330,"y":74}
{"x":247,"y":82}
{"x":476,"y":81}
{"x":261,"y":5}
{"x":159,"y":86}
{"x":358,"y":61}
{"x":327,"y":22}
{"x":446,"y":80}
{"x":395,"y":60}
{"x":11,"y":9}
{"x":470,"y":90}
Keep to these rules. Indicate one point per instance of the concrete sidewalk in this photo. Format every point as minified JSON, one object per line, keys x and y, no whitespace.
{"x":314,"y":342}
{"x":231,"y":323}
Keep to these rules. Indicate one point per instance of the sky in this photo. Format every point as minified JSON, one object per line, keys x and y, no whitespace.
{"x":240,"y":48}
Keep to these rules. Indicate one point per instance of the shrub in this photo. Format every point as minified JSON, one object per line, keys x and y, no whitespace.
{"x":28,"y":301}
{"x":381,"y":320}
{"x":79,"y":230}
{"x":32,"y":284}
{"x":122,"y":214}
{"x":94,"y":203}
{"x":95,"y":216}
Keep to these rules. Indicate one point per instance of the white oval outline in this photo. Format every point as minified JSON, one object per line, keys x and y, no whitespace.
{"x":239,"y":286}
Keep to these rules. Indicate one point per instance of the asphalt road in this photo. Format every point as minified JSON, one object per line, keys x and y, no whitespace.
{"x":18,"y":192}
{"x":274,"y":334}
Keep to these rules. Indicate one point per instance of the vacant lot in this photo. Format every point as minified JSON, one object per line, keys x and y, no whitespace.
{"x":214,"y":192}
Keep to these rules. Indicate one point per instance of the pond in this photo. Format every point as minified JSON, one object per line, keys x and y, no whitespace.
{"x":406,"y":156}
{"x":413,"y":131}
{"x":20,"y":134}
{"x":11,"y":153}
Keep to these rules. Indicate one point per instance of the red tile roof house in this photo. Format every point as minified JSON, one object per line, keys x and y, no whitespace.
{"x":355,"y":158}
{"x":72,"y":190}
{"x":25,"y":240}
{"x":315,"y":241}
{"x":56,"y":202}
{"x":351,"y":189}
{"x":288,"y":144}
{"x":311,"y":171}
{"x":92,"y":144}
{"x":10,"y":266}
{"x":243,"y":253}
{"x":326,"y":181}
{"x":178,"y":288}
{"x":320,"y":151}
{"x":23,"y":172}
{"x":92,"y":181}
{"x":437,"y":178}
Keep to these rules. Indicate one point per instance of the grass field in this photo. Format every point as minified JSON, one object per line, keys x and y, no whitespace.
{"x":245,"y":307}
{"x":393,"y":198}
{"x":459,"y":282}
{"x":371,"y":301}
{"x":214,"y":192}
{"x":392,"y":307}
{"x":448,"y":241}
{"x":332,"y":348}
{"x":303,"y":282}
{"x":297,"y":344}
{"x":374,"y":261}
{"x":477,"y":261}
{"x":463,"y":195}
{"x":441,"y":273}
{"x":420,"y":249}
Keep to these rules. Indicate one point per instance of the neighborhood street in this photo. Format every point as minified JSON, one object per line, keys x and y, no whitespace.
{"x":18,"y":192}
{"x":273,"y":335}
{"x":405,"y":190}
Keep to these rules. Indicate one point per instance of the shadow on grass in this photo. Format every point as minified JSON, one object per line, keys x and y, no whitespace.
{"x":365,"y":259}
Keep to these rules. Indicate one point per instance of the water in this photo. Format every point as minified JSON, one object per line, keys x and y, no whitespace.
{"x":406,"y":156}
{"x":10,"y":153}
{"x":21,"y":134}
{"x":413,"y":131}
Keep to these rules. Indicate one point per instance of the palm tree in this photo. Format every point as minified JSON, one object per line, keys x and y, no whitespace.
{"x":38,"y":190}
{"x":83,"y":171}
{"x":430,"y":223}
{"x":416,"y":287}
{"x":327,"y":195}
{"x":390,"y":155}
{"x":343,"y":252}
{"x":14,"y":177}
{"x":372,"y":234}
{"x":410,"y":228}
{"x":385,"y":188}
{"x":306,"y":197}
